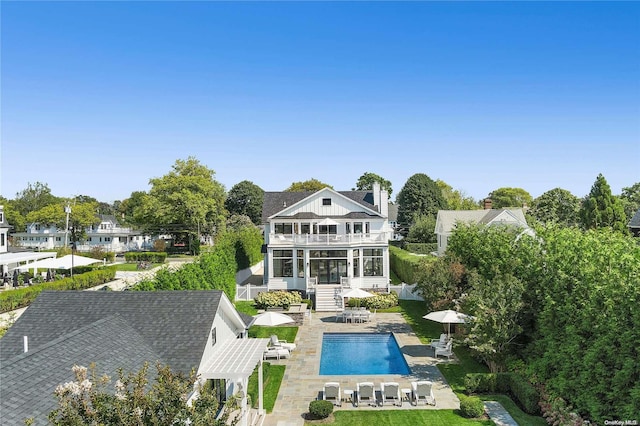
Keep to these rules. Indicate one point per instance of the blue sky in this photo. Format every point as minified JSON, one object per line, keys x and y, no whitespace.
{"x":99,"y":97}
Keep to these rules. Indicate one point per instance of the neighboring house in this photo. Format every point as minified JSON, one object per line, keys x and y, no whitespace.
{"x":108,"y":235}
{"x":326,"y":239}
{"x":393,"y":222}
{"x":634,"y":224}
{"x":447,"y":219}
{"x":10,"y":257}
{"x":186,"y":330}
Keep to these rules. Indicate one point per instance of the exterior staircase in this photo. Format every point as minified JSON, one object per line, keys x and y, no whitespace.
{"x":328,"y":298}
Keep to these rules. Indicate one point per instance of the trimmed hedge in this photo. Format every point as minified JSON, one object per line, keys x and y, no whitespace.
{"x":403,"y":264}
{"x":21,"y":297}
{"x":525,"y":394}
{"x":421,"y":248}
{"x":471,"y":407}
{"x":145,"y":256}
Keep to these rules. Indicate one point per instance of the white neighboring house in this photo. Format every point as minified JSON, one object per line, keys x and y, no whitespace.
{"x":447,"y":219}
{"x":326,"y":240}
{"x":108,"y":235}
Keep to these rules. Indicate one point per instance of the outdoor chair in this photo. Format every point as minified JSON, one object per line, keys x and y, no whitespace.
{"x":365,"y":392}
{"x":391,"y":392}
{"x":276,"y":352}
{"x":446,"y":351}
{"x":275,"y":342}
{"x":331,"y":392}
{"x":423,"y":391}
{"x":441,"y":342}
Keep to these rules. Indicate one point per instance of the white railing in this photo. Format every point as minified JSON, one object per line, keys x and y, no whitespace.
{"x":312,"y":283}
{"x":345,"y":282}
{"x":249,"y":292}
{"x":405,"y":291}
{"x":328,"y":239}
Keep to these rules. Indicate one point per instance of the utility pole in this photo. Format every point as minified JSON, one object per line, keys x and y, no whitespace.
{"x":67,"y":210}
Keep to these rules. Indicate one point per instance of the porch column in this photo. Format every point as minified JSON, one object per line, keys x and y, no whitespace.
{"x":260,"y":397}
{"x":244,"y":412}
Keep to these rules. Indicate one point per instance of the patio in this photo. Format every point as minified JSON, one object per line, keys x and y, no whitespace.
{"x":302,"y":383}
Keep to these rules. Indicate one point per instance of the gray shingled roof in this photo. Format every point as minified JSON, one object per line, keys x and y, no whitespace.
{"x":635,"y":220}
{"x":29,"y":379}
{"x":174,"y":323}
{"x":275,"y":202}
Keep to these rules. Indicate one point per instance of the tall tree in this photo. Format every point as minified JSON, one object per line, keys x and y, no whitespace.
{"x":456,"y":200}
{"x":420,"y":195}
{"x":422,"y":230}
{"x":600,"y":209}
{"x":185,"y":202}
{"x":556,"y":206}
{"x":631,"y":199}
{"x":129,"y":206}
{"x":12,"y":215}
{"x":312,"y":184}
{"x":82,"y":216}
{"x":366,"y":181}
{"x":245,"y":198}
{"x":510,"y":197}
{"x":34,"y":197}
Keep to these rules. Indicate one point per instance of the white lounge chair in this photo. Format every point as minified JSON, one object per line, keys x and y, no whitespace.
{"x":391,"y":392}
{"x":422,"y":391}
{"x":365,"y":391}
{"x":275,"y":342}
{"x":441,"y":342}
{"x":331,"y":392}
{"x":446,"y":351}
{"x":276,"y":352}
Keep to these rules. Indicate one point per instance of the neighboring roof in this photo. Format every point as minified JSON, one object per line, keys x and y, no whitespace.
{"x":393,"y":212}
{"x":30,"y":379}
{"x":108,"y":218}
{"x":175,"y":324}
{"x":246,"y":318}
{"x":635,"y":220}
{"x":446,"y":219}
{"x":275,"y":202}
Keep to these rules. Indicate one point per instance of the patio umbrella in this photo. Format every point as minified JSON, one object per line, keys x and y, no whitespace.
{"x":270,"y":318}
{"x":64,"y":262}
{"x":357,"y":293}
{"x":447,"y":317}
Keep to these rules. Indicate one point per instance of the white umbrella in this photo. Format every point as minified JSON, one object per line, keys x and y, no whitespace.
{"x":356,"y":292}
{"x":448,"y":317}
{"x":64,"y":262}
{"x":270,"y":318}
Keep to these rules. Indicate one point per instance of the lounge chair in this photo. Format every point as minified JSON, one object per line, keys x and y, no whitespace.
{"x":446,"y":351}
{"x":422,"y":391}
{"x":275,"y":342}
{"x":365,"y":391}
{"x":391,"y":392}
{"x":276,"y":352}
{"x":332,"y":392}
{"x":441,"y":342}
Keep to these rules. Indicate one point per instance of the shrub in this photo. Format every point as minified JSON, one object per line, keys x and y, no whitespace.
{"x":279,"y":298}
{"x":145,"y":256}
{"x":480,"y":383}
{"x":308,"y":302}
{"x":380,"y":301}
{"x":421,"y":248}
{"x":525,"y":393}
{"x":404,"y":264}
{"x":471,"y":406}
{"x":320,"y":409}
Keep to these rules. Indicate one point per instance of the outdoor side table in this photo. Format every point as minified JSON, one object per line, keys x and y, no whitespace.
{"x":348,"y":395}
{"x":406,"y":394}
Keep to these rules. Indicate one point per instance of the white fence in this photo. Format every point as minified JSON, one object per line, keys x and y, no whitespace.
{"x":249,"y":292}
{"x":405,"y":291}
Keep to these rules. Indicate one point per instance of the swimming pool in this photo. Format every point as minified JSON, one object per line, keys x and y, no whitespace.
{"x":361,"y":353}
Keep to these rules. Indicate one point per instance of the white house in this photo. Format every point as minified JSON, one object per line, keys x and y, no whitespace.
{"x":186,"y":330}
{"x":447,"y":220}
{"x":320,"y":242}
{"x":108,"y":235}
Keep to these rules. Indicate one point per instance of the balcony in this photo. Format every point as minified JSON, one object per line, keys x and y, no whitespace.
{"x":381,"y":238}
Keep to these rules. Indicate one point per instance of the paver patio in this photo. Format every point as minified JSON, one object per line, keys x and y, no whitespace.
{"x":302,"y":383}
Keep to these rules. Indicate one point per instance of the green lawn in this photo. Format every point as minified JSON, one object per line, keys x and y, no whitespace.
{"x":402,"y":418}
{"x":272,"y":376}
{"x":522,"y":418}
{"x":283,"y":333}
{"x":246,"y":307}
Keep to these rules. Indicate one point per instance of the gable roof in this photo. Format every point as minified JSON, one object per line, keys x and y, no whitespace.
{"x":446,"y":219}
{"x":635,"y":220}
{"x":275,"y":202}
{"x":30,"y":379}
{"x":175,"y":324}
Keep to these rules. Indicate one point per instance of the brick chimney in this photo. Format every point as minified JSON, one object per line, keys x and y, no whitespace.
{"x":487,"y":203}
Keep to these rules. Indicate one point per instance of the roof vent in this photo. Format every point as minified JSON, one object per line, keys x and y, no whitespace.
{"x":284,"y":204}
{"x":25,"y":342}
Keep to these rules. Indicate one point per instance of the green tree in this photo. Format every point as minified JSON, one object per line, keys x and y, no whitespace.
{"x":34,"y":197}
{"x":82,"y":216}
{"x":422,"y":231}
{"x":441,"y":283}
{"x":510,"y":197}
{"x":131,"y":206}
{"x":12,"y":215}
{"x":366,"y":181}
{"x":308,"y":185}
{"x":184,"y":203}
{"x":134,"y":401}
{"x":600,"y":209}
{"x":245,"y":198}
{"x":556,"y":206}
{"x":236,"y":222}
{"x":420,"y":195}
{"x":456,"y":200}
{"x":631,"y":199}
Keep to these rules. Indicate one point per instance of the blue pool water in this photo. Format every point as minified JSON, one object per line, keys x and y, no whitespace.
{"x":361,"y":353}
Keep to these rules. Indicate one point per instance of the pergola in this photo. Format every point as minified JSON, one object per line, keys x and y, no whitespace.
{"x":236,"y":361}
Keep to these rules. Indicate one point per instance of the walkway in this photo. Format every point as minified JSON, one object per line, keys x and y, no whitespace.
{"x":302,"y":383}
{"x":498,"y":414}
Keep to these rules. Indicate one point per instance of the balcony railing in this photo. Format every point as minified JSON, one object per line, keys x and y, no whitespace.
{"x":328,"y":239}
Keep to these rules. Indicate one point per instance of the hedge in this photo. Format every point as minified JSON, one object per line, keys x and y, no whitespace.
{"x":404,"y":264}
{"x":421,"y":248}
{"x":21,"y":297}
{"x":145,"y":256}
{"x":278,"y":298}
{"x":379,"y":301}
{"x":525,"y":394}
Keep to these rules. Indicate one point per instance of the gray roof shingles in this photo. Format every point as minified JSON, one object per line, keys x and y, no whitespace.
{"x":635,"y":220}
